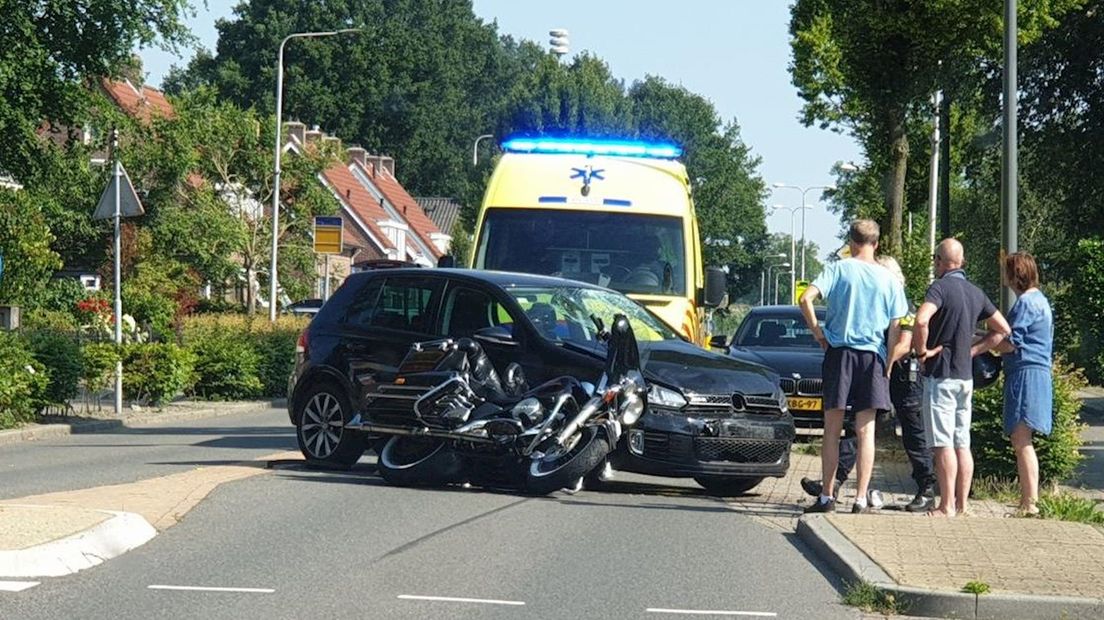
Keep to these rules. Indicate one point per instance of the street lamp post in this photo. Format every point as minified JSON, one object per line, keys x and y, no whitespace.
{"x":276,"y":169}
{"x":804,"y":191}
{"x":763,"y":276}
{"x":769,"y":267}
{"x":780,"y":273}
{"x":475,"y":148}
{"x":793,"y":253}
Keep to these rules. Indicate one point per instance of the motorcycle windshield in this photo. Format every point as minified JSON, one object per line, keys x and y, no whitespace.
{"x":563,"y":314}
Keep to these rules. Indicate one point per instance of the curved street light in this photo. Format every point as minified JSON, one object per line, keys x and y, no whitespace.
{"x":475,"y":148}
{"x":793,"y":253}
{"x":780,"y":273}
{"x":763,"y":275}
{"x":804,"y":191}
{"x":769,"y":267}
{"x":272,"y":286}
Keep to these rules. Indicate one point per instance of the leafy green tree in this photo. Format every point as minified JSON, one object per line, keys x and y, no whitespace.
{"x":49,"y":48}
{"x":869,"y":66}
{"x":25,"y":247}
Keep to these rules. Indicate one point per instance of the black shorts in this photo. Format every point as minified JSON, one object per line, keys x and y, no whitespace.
{"x":854,"y":378}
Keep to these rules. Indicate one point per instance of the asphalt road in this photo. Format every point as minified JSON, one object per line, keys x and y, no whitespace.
{"x":309,"y":544}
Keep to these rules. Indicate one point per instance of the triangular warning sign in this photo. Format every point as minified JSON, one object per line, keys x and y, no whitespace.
{"x":129,"y":205}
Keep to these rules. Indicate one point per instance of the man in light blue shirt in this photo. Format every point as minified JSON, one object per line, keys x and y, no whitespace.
{"x":864,"y":301}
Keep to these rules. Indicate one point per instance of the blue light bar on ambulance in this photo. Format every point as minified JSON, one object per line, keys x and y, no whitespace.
{"x":623,"y":148}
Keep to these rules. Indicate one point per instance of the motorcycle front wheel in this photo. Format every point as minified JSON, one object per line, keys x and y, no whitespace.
{"x":557,"y":470}
{"x":419,"y":462}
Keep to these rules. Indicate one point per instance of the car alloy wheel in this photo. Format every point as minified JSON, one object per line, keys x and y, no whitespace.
{"x":323,"y":424}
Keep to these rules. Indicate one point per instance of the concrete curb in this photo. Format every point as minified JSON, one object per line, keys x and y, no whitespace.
{"x":111,"y":538}
{"x":66,"y":426}
{"x":852,"y":565}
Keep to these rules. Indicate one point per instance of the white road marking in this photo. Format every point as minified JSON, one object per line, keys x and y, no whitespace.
{"x":212,"y":589}
{"x":17,"y":586}
{"x":454,"y":599}
{"x":711,"y":612}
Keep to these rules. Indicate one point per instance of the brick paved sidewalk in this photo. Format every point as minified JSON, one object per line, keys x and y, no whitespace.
{"x":1022,"y":556}
{"x":778,"y":502}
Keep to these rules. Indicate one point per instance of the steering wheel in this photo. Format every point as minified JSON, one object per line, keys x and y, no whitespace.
{"x":619,"y":272}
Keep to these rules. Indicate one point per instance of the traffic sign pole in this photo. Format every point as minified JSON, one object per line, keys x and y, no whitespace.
{"x":118,"y":274}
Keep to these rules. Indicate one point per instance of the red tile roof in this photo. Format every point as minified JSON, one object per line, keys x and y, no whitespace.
{"x":357,"y":199}
{"x":405,"y":204}
{"x":140,"y":104}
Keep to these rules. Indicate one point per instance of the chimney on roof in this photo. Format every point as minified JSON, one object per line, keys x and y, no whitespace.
{"x":373,"y":162}
{"x":296,"y":131}
{"x":332,"y":142}
{"x":314,"y":135}
{"x":355,"y":154}
{"x":388,"y":164}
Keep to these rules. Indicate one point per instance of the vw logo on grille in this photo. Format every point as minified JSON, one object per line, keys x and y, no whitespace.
{"x":738,"y":402}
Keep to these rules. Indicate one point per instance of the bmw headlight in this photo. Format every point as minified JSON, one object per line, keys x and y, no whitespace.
{"x":783,"y":402}
{"x":659,"y":396}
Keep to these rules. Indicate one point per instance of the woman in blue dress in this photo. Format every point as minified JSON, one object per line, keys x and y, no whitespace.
{"x":1028,"y":391}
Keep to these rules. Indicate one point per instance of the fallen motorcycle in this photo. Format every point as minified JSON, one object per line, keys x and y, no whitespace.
{"x":451,"y":418}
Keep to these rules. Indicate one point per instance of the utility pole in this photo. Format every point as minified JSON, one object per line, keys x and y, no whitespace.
{"x":945,"y":171}
{"x":933,"y":180}
{"x":118,"y":273}
{"x":1010,"y":167}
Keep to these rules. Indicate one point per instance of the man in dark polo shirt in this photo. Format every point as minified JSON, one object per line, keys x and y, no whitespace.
{"x":944,"y":342}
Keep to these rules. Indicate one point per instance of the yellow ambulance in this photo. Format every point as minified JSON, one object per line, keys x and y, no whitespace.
{"x":613,"y":213}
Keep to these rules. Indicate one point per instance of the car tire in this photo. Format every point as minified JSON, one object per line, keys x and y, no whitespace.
{"x":727,"y":486}
{"x":547,"y":475}
{"x":419,"y":462}
{"x":321,"y":416}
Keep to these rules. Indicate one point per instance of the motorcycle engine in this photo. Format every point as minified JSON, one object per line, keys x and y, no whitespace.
{"x":529,"y":412}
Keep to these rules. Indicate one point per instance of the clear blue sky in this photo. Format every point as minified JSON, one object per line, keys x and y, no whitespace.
{"x":734,"y":52}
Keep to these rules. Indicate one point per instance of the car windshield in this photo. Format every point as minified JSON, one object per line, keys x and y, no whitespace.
{"x":776,"y":331}
{"x":627,"y":252}
{"x":563,"y":314}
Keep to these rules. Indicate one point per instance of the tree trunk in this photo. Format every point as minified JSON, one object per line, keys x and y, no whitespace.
{"x":250,"y":296}
{"x":895,"y":189}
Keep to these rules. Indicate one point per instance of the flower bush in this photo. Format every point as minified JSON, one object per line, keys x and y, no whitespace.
{"x":23,"y":382}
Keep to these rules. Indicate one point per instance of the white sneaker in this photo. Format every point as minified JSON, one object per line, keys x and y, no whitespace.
{"x":874,"y":498}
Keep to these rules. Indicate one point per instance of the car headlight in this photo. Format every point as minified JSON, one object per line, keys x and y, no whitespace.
{"x":632,"y":406}
{"x":660,"y":396}
{"x":783,"y":402}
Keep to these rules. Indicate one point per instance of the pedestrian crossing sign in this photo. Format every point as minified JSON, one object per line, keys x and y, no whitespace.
{"x":799,"y":288}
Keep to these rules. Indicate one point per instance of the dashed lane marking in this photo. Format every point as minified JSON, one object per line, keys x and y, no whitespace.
{"x":456,"y":599}
{"x":213,"y":589}
{"x":17,"y":586}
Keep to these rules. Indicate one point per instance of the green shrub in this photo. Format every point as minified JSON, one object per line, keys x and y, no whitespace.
{"x":1058,"y":453}
{"x":60,"y":353}
{"x":98,"y":368}
{"x":23,"y":382}
{"x":276,"y":350}
{"x":149,"y":308}
{"x":56,"y":320}
{"x":60,"y":295}
{"x":154,"y":372}
{"x":226,"y":366}
{"x":272,"y":345}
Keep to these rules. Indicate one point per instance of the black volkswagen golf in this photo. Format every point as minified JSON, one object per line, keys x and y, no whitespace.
{"x":722,"y":421}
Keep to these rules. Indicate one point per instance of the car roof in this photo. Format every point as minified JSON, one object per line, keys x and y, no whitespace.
{"x":502,"y":279}
{"x":783,"y":310}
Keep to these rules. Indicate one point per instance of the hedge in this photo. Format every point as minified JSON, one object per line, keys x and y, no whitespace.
{"x":60,"y":353}
{"x":23,"y":382}
{"x":1058,"y":453}
{"x":241,"y":356}
{"x":154,"y":372}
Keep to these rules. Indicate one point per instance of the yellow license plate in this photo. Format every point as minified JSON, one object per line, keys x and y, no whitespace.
{"x":798,"y":403}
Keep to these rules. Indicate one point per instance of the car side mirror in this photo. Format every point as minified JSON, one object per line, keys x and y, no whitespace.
{"x":718,"y":342}
{"x":447,"y":261}
{"x":716,"y":287}
{"x":495,"y":335}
